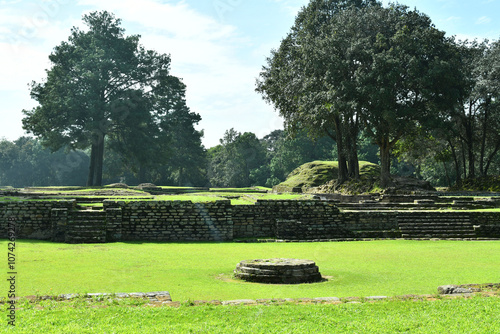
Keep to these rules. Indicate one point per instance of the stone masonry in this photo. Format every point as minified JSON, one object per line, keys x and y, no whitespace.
{"x":184,"y":221}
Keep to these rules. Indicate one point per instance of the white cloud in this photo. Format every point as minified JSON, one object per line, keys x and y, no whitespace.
{"x":483,"y":20}
{"x":11,"y":2}
{"x":453,"y":19}
{"x":292,"y":7}
{"x":175,"y":19}
{"x":205,"y":53}
{"x":220,"y":86}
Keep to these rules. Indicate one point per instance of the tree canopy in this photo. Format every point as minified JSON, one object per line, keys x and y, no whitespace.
{"x":102,"y":83}
{"x":347,"y":64}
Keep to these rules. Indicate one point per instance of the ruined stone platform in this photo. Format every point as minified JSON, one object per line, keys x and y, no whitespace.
{"x":278,"y":271}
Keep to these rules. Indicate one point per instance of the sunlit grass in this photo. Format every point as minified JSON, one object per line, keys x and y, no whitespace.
{"x":476,"y":315}
{"x":204,"y":270}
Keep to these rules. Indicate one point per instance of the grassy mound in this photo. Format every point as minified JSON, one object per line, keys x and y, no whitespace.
{"x":311,"y":174}
{"x":369,"y":181}
{"x":321,"y":176}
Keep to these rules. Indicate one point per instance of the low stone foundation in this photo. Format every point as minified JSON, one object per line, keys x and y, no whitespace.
{"x":278,"y":271}
{"x":184,"y":221}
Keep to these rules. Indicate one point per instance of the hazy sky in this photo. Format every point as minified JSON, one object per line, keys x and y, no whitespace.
{"x":217,"y":46}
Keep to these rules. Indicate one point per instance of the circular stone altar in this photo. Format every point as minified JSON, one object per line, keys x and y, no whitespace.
{"x":278,"y":271}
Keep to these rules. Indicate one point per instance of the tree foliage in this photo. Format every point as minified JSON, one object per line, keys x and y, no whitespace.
{"x":347,"y":63}
{"x":24,"y":162}
{"x":310,"y":79}
{"x":465,"y":145}
{"x":101,"y":83}
{"x":232,"y":161}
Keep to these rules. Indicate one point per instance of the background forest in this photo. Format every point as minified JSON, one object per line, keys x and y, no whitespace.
{"x":240,"y":160}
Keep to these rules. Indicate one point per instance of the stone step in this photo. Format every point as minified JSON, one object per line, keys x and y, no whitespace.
{"x":89,"y":213}
{"x":89,"y":219}
{"x":285,"y":271}
{"x":433,"y":218}
{"x":438,"y":233}
{"x":465,"y":222}
{"x":415,"y":216}
{"x":436,"y":224}
{"x":87,"y":228}
{"x":440,"y":236}
{"x":279,"y":279}
{"x":436,"y":227}
{"x":432,"y":215}
{"x":376,"y":234}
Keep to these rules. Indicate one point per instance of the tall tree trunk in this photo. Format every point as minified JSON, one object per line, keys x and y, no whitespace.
{"x":472,"y":172}
{"x":342,"y":160}
{"x":99,"y":160}
{"x":491,"y":156}
{"x":456,"y":161}
{"x":469,"y":135}
{"x":353,"y":164}
{"x":448,"y":180}
{"x":483,"y":139}
{"x":90,"y":177}
{"x":142,"y":174}
{"x":464,"y":161}
{"x":341,"y":156}
{"x":352,"y":150}
{"x":181,"y":177}
{"x":385,"y":162}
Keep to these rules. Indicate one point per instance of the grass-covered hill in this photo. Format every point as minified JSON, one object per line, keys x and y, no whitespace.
{"x":322,"y":176}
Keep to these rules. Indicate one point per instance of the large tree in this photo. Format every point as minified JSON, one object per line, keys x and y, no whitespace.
{"x":310,"y":79}
{"x":101,"y":83}
{"x":388,"y":68}
{"x":408,"y":75}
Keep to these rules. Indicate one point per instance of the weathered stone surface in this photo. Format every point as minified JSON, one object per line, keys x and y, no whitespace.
{"x":220,"y":221}
{"x":278,"y":271}
{"x":327,"y":299}
{"x":376,"y":298}
{"x":240,"y":302}
{"x":118,"y":185}
{"x":147,"y":186}
{"x":452,"y":289}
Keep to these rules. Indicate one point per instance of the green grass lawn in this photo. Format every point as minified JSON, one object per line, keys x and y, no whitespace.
{"x":203,"y":271}
{"x":476,"y":315}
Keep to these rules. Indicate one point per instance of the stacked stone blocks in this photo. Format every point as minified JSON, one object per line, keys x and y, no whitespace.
{"x":59,"y":221}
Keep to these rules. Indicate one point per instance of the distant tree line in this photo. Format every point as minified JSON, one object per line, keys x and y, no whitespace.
{"x":240,"y":160}
{"x":26,"y":163}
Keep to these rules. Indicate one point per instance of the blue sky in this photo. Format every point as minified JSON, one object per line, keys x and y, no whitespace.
{"x":217,"y":46}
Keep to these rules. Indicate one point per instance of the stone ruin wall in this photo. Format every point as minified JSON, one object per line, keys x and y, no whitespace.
{"x":220,"y":221}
